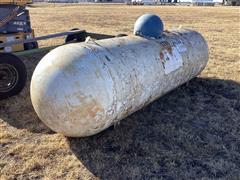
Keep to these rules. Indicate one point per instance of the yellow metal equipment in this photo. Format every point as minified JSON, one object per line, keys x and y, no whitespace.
{"x":12,"y":37}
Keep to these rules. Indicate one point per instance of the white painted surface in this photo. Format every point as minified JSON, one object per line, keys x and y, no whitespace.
{"x":81,"y":89}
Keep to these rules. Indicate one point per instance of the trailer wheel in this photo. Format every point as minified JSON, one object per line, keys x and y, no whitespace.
{"x":79,"y":37}
{"x":31,"y":45}
{"x":13,"y":75}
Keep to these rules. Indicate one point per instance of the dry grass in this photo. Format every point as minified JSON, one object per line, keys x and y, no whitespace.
{"x":193,"y":132}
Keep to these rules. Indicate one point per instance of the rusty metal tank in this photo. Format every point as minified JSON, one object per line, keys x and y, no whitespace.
{"x":81,"y":89}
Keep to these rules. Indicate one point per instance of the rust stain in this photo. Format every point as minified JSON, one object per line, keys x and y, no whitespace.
{"x":91,"y":109}
{"x":88,"y":110}
{"x":169,"y":49}
{"x":166,"y":46}
{"x":161,"y":55}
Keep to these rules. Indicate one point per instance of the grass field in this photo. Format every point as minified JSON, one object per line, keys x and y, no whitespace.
{"x":193,"y":132}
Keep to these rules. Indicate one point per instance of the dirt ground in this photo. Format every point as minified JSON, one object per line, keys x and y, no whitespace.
{"x":192,"y":132}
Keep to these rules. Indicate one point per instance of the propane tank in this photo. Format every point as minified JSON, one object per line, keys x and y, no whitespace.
{"x":81,"y":89}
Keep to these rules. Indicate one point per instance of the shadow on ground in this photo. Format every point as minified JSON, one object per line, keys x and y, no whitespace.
{"x":193,"y":132}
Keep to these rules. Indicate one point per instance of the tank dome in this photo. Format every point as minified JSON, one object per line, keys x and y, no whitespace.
{"x":148,"y":25}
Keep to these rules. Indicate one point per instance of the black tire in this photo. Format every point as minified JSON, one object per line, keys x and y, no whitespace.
{"x":13,"y":75}
{"x":31,"y":45}
{"x":79,"y":37}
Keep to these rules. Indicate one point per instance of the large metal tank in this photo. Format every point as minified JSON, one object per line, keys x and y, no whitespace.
{"x":81,"y":89}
